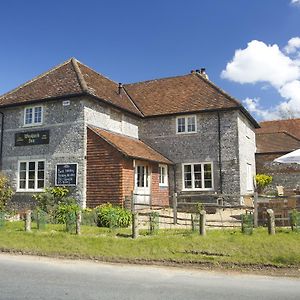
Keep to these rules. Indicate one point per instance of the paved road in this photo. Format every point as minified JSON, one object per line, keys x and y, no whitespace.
{"x":25,"y":277}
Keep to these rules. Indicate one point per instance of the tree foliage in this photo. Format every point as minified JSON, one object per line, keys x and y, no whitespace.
{"x":6,"y":192}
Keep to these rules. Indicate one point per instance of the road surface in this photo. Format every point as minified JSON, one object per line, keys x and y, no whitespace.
{"x":26,"y":277}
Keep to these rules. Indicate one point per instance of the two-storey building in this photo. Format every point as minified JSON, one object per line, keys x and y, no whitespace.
{"x":74,"y":127}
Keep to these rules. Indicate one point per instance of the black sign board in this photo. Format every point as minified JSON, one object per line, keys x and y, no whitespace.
{"x":66,"y":174}
{"x":32,"y":138}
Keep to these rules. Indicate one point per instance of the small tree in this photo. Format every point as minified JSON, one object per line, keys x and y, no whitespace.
{"x":6,"y":192}
{"x":262,"y":181}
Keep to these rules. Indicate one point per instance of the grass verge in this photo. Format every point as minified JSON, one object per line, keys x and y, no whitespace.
{"x":218,"y":248}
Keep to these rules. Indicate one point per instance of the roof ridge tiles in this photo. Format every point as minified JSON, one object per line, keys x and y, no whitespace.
{"x":80,"y":77}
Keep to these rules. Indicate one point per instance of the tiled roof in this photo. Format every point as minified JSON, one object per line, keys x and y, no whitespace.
{"x":179,"y":94}
{"x":276,"y":142}
{"x":291,"y":126}
{"x":62,"y":80}
{"x":69,"y":78}
{"x":130,"y":146}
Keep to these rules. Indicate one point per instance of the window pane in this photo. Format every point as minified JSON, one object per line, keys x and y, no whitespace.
{"x":146,"y":176}
{"x":41,"y":174}
{"x":38,"y":114}
{"x":140,"y":176}
{"x":32,"y":166}
{"x":181,"y":125}
{"x":23,"y":175}
{"x":28,"y":116}
{"x":191,"y":124}
{"x":30,"y":184}
{"x":187,"y":176}
{"x":22,"y":184}
{"x":41,"y":184}
{"x":41,"y":165}
{"x":197,"y":176}
{"x":207,"y":176}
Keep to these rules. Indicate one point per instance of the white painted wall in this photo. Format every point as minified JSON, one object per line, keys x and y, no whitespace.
{"x":110,"y":119}
{"x":247,"y":148}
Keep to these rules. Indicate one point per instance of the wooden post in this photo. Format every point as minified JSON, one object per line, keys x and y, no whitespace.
{"x":132,"y":208}
{"x":271,"y":221}
{"x":175,"y":208}
{"x":202,"y":222}
{"x":193,"y":222}
{"x":135,"y":225}
{"x":28,"y":221}
{"x":255,"y":213}
{"x":78,"y":222}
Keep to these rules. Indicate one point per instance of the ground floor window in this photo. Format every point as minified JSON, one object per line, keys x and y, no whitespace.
{"x":197,"y":176}
{"x":31,"y":175}
{"x":163,"y":175}
{"x":142,"y":175}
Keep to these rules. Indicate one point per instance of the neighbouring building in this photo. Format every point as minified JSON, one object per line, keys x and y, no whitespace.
{"x":274,"y":139}
{"x":72,"y":126}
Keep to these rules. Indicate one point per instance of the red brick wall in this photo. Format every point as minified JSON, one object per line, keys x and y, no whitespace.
{"x":160,"y":195}
{"x":110,"y":175}
{"x":104,"y":172}
{"x":127,"y":177}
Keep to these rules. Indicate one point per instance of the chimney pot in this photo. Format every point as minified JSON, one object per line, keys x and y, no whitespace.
{"x":120,"y":88}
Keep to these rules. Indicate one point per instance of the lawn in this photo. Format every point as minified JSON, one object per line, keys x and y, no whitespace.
{"x":219,"y":247}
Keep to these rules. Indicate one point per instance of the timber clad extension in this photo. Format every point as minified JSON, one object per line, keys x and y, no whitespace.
{"x":179,"y":134}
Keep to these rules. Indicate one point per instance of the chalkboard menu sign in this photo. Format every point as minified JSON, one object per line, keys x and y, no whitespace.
{"x":66,"y":174}
{"x":32,"y":138}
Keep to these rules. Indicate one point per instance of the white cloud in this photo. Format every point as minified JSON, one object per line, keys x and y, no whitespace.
{"x":268,"y":64}
{"x":254,"y":106}
{"x":293,"y":45}
{"x":295,"y":2}
{"x":261,"y":63}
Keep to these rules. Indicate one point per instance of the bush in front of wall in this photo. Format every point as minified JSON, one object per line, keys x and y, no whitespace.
{"x":89,"y":217}
{"x":6,"y":192}
{"x":262,"y":180}
{"x":65,"y":212}
{"x":49,"y":201}
{"x":112,"y":216}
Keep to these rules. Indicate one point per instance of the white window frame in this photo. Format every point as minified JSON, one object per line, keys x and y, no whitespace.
{"x":163,"y":168}
{"x":33,"y":123}
{"x":202,"y":176}
{"x":36,"y":175}
{"x":186,"y":117}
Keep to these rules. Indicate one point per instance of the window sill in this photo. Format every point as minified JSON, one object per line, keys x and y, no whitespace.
{"x":190,"y":132}
{"x":32,"y":125}
{"x":198,"y":190}
{"x":163,"y":185}
{"x":30,"y":191}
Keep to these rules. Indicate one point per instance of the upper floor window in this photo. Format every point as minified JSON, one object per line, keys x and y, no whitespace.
{"x":163,"y":175}
{"x":197,"y":176}
{"x":33,"y":115}
{"x":186,"y":124}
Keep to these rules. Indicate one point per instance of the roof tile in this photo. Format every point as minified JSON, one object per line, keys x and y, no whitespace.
{"x":130,"y":146}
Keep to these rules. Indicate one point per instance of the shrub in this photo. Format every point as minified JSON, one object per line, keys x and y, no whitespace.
{"x":49,"y":201}
{"x":6,"y":192}
{"x":113,"y":216}
{"x":66,"y":212}
{"x":262,"y":180}
{"x":89,"y":217}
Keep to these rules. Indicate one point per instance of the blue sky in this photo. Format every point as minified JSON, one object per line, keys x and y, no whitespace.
{"x":137,"y":40}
